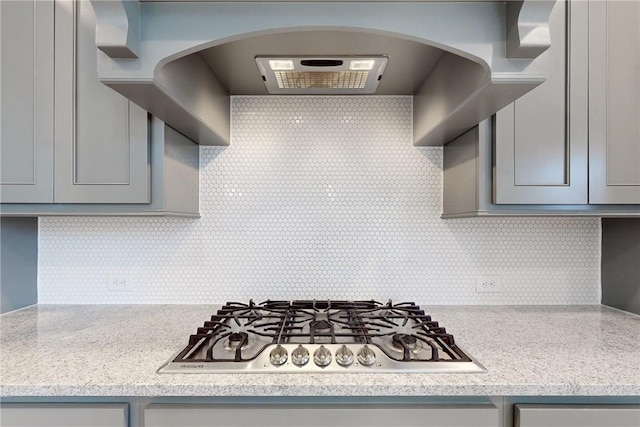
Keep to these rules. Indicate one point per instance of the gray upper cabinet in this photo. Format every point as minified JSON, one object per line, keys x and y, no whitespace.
{"x":95,"y":148}
{"x":572,"y":145}
{"x":101,"y":137}
{"x":99,"y":154}
{"x":614,"y":102}
{"x":26,"y":123}
{"x":174,"y":183}
{"x":541,"y":139}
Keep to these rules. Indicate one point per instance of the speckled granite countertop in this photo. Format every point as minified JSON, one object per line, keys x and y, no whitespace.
{"x":116,"y":350}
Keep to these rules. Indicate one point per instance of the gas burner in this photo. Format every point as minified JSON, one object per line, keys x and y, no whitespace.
{"x":320,"y":325}
{"x":321,"y":336}
{"x":402,"y":341}
{"x":237,"y":339}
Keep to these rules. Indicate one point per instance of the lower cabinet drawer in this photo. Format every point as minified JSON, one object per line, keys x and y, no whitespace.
{"x":64,"y":415}
{"x":201,"y":415}
{"x":577,"y":415}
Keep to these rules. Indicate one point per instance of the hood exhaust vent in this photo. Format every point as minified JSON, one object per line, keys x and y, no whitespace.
{"x":322,"y":75}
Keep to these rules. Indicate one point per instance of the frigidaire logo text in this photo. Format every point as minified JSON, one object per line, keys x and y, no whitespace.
{"x":192,"y":366}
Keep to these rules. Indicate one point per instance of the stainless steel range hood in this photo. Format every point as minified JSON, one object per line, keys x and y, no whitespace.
{"x":462,"y":61}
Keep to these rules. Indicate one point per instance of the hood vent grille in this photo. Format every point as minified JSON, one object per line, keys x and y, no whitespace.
{"x":321,"y":80}
{"x":322,"y":75}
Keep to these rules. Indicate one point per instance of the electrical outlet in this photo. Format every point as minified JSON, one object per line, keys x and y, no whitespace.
{"x":120,"y":282}
{"x":488,"y":284}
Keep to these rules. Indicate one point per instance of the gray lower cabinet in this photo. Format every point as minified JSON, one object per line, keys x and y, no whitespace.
{"x":99,"y":154}
{"x":329,"y":412}
{"x":614,"y":102}
{"x":576,"y":415}
{"x":203,"y":415}
{"x":64,"y":415}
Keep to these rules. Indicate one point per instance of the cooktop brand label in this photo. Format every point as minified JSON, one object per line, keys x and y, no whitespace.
{"x":200,"y":366}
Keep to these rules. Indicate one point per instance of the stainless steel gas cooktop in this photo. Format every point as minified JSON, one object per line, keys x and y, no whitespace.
{"x":321,"y":336}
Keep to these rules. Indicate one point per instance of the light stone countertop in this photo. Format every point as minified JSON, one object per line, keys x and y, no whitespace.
{"x":115,"y":350}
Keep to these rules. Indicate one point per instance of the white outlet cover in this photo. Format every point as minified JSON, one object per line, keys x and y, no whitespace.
{"x":120,"y":282}
{"x":488,"y":284}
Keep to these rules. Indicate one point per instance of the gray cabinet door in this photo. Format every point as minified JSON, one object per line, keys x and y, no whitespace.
{"x":614,"y":102}
{"x":101,"y":138}
{"x":171,"y":415}
{"x":541,"y":139}
{"x":64,"y":415}
{"x":26,"y":122}
{"x":576,"y":416}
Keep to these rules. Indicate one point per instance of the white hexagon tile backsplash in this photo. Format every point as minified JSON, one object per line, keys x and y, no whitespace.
{"x":320,"y":197}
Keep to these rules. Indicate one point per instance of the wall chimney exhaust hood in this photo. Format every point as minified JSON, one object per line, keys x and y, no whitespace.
{"x":461,"y":60}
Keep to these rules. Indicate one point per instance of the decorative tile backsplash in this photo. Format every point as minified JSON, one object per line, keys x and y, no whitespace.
{"x":320,"y":197}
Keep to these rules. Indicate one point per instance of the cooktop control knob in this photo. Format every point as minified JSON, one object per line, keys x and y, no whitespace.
{"x":278,"y":355}
{"x":344,"y":356}
{"x":322,"y":356}
{"x":300,"y":356}
{"x":366,"y":356}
